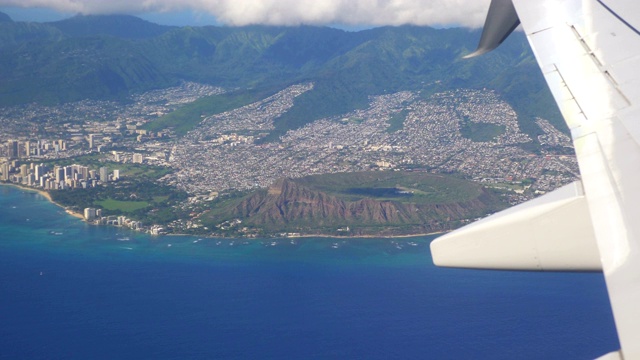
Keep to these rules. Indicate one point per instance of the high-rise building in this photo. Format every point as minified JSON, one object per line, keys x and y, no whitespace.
{"x":75,"y":172}
{"x":84,"y":171}
{"x":59,"y":173}
{"x":91,"y":141}
{"x":104,"y":174}
{"x":12,"y":149}
{"x":27,"y":149}
{"x":68,"y":173}
{"x":5,"y":171}
{"x":137,"y":158}
{"x":89,"y":214}
{"x":116,"y":174}
{"x":24,"y":170}
{"x":40,"y":171}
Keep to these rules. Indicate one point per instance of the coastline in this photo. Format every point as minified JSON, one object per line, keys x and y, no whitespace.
{"x":46,"y":194}
{"x":365,"y":236}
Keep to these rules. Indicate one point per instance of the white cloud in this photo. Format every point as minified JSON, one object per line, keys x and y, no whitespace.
{"x":469,"y":13}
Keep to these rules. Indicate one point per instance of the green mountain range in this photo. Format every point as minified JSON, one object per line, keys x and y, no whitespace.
{"x":110,"y":57}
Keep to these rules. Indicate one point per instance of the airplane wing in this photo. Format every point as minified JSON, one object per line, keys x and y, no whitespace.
{"x":589,"y":53}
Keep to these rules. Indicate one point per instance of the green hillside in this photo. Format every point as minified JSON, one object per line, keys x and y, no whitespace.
{"x":362,"y":203}
{"x":110,"y":57}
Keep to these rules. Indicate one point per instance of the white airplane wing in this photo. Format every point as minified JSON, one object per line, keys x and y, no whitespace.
{"x":589,"y":53}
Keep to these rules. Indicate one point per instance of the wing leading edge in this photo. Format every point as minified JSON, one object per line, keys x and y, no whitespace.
{"x":553,"y":233}
{"x":589,"y":53}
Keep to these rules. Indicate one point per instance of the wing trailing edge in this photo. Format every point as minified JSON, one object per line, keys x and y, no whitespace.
{"x":589,"y":53}
{"x":552,"y":232}
{"x":616,"y":355}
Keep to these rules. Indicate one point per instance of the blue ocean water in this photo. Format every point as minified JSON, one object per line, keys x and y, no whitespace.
{"x":73,"y":291}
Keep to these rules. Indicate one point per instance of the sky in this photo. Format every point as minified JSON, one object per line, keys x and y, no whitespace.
{"x":346,"y":13}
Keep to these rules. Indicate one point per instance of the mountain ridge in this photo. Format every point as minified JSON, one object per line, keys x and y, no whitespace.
{"x":299,"y":205}
{"x":5,"y":17}
{"x":120,"y":26}
{"x":60,"y":62}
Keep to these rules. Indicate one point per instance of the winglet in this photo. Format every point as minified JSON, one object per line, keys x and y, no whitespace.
{"x":502,"y":19}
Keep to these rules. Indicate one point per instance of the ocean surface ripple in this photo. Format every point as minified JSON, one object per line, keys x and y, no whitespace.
{"x":69,"y":290}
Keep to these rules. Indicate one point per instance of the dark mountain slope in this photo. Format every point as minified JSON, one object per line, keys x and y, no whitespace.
{"x":93,"y":68}
{"x":5,"y":18}
{"x":18,"y":34}
{"x":121,"y":26}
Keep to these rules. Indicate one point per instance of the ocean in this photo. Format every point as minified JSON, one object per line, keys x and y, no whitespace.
{"x":69,"y":290}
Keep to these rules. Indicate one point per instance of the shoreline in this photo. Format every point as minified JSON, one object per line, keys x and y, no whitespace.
{"x":46,"y":195}
{"x":365,"y":236}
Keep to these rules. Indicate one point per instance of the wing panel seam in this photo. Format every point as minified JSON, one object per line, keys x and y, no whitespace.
{"x":610,"y":10}
{"x":598,"y":64}
{"x":573,"y":97}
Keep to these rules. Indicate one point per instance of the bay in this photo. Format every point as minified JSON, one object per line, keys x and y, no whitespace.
{"x":69,"y":290}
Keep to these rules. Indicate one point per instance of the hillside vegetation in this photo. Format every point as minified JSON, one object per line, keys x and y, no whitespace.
{"x":364,"y":203}
{"x":110,"y":57}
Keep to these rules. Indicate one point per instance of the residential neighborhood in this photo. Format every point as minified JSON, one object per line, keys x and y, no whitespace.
{"x":399,"y":131}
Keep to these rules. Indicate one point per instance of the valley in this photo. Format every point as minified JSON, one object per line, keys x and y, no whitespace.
{"x":385,"y":101}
